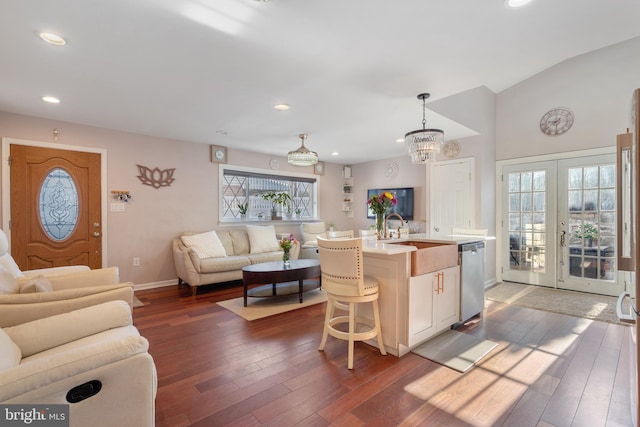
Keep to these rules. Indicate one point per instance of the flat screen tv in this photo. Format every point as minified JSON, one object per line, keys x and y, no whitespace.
{"x":405,"y":201}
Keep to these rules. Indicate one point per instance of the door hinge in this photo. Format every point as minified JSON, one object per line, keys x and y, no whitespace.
{"x":9,"y":160}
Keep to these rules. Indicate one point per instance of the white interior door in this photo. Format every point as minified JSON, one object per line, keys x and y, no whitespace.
{"x":452,"y":198}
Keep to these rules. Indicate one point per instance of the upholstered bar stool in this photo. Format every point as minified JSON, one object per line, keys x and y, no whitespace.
{"x":343,"y":279}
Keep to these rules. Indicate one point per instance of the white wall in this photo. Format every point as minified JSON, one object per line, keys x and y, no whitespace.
{"x":372,"y":175}
{"x":596,"y":86}
{"x":154,"y":217}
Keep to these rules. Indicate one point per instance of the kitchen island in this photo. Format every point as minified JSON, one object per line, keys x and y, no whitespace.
{"x":419,"y":285}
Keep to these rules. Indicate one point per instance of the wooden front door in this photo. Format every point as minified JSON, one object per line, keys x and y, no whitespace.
{"x":55,"y":207}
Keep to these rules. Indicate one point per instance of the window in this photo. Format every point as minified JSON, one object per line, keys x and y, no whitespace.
{"x":241,"y":187}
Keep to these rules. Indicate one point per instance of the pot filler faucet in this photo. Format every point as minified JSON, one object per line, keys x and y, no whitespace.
{"x":384,"y":234}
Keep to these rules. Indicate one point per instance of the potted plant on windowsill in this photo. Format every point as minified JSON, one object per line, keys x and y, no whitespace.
{"x":243,"y":207}
{"x":276,"y":199}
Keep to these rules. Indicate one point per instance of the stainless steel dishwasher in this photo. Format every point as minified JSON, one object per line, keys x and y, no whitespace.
{"x":471,"y":260}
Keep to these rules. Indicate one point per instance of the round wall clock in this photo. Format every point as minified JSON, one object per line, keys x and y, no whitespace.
{"x":452,"y":149}
{"x":556,"y":121}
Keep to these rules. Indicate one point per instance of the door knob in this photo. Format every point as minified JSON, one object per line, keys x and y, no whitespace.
{"x":96,"y":224}
{"x":436,"y":229}
{"x":96,"y":234}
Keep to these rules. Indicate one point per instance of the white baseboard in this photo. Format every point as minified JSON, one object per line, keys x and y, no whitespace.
{"x":153,"y":285}
{"x":489,"y":283}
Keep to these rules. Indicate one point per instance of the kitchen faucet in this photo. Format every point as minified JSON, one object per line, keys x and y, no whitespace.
{"x":384,"y":234}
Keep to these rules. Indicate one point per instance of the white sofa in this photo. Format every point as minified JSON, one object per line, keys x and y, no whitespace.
{"x":197,"y":265}
{"x":93,"y":357}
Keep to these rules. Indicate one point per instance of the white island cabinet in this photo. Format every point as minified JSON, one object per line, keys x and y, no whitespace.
{"x":434,"y":304}
{"x":412,"y":308}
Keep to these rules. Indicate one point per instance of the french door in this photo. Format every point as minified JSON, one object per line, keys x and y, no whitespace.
{"x":587,"y":218}
{"x":559,"y":221}
{"x":529,"y":223}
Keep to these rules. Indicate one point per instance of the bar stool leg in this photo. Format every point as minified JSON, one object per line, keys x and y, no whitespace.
{"x":352,"y":331}
{"x":376,"y":319}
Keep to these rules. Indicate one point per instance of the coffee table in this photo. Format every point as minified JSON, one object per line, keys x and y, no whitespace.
{"x":275,"y":273}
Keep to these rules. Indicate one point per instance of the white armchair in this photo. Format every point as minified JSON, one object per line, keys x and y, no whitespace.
{"x":93,"y":357}
{"x":34,"y":294}
{"x":61,"y":294}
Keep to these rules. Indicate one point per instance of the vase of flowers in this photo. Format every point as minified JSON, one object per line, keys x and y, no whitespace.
{"x":286,"y":243}
{"x":379,"y":205}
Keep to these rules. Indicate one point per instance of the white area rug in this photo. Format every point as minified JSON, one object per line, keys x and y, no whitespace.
{"x":455,"y":350}
{"x":258,"y":308}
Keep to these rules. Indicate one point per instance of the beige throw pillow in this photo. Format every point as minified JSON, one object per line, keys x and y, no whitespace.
{"x":206,"y":245}
{"x":37,"y":284}
{"x":262,"y":239}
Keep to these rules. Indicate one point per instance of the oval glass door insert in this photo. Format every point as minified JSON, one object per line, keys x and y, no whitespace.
{"x":58,"y":204}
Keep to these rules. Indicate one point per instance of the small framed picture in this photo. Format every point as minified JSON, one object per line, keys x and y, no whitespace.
{"x":318,"y":168}
{"x":218,"y":154}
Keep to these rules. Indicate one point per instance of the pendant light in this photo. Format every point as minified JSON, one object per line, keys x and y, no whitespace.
{"x":302,"y":156}
{"x":424,"y":143}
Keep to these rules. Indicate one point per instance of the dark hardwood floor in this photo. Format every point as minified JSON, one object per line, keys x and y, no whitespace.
{"x":215,"y":369}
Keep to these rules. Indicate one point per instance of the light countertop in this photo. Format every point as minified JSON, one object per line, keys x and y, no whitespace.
{"x":388,"y":246}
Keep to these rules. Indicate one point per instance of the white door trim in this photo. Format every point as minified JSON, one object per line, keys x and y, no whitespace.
{"x":6,"y":182}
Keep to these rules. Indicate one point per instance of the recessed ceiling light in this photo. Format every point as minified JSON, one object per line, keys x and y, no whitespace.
{"x":399,"y":140}
{"x":517,"y":3}
{"x":51,"y":99}
{"x":335,"y":153}
{"x":53,"y":39}
{"x":281,"y":107}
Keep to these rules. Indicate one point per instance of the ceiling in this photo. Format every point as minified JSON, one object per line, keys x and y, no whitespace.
{"x":210,"y":71}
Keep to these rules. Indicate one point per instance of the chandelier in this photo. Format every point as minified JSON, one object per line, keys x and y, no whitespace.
{"x":302,"y":156}
{"x":424,"y":143}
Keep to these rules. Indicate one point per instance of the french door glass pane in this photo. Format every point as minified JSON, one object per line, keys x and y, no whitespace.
{"x":592,"y":227}
{"x":527,"y":208}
